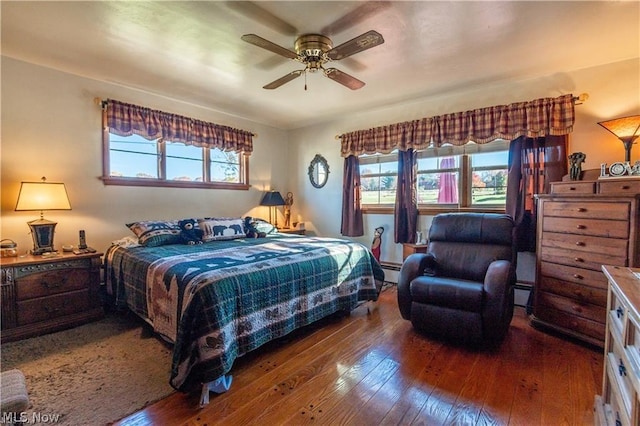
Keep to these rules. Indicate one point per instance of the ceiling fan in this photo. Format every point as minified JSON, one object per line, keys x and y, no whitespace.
{"x":314,"y":51}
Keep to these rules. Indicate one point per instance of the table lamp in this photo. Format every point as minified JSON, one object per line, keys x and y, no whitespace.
{"x":626,"y":129}
{"x":42,"y":196}
{"x":272,"y":199}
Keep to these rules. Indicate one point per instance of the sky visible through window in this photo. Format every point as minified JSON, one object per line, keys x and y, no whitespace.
{"x":135,"y":156}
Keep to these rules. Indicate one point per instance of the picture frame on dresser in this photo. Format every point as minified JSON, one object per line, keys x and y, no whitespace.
{"x":582,"y":225}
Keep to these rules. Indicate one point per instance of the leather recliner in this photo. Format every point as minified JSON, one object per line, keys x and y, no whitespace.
{"x":462,"y":289}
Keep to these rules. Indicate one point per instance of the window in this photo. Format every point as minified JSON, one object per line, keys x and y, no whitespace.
{"x":469,"y":176}
{"x":134,"y":160}
{"x":378,"y":179}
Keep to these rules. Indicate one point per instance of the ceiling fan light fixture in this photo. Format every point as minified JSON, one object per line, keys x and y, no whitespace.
{"x":314,"y":50}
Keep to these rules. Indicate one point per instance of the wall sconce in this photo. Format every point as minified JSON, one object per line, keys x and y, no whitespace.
{"x":272,"y":199}
{"x":625,"y":129}
{"x":42,"y":196}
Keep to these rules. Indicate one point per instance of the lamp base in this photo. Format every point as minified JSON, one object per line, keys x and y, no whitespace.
{"x":42,"y":231}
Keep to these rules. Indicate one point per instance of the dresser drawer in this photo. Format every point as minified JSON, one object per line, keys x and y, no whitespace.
{"x":570,"y":323}
{"x":46,"y":308}
{"x":586,"y":243}
{"x":621,"y":186}
{"x":573,"y":307}
{"x":590,"y":210}
{"x":588,"y":260}
{"x":573,"y":187}
{"x":595,"y":227}
{"x":579,"y":292}
{"x":51,"y":282}
{"x":572,"y":274}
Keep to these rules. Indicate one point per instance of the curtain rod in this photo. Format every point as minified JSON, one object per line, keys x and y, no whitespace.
{"x":103,"y":103}
{"x":577,"y":100}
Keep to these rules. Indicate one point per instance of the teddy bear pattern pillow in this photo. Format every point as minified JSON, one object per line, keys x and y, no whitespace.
{"x":222,"y":228}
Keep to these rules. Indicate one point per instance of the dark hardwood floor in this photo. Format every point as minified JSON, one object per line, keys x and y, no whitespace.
{"x":372,"y":368}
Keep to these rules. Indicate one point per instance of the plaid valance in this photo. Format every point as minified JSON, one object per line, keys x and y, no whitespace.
{"x":126,"y":119}
{"x":537,"y":118}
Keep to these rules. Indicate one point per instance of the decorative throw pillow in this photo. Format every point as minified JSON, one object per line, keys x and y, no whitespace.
{"x":221,"y":228}
{"x":156,"y":233}
{"x":264,"y":226}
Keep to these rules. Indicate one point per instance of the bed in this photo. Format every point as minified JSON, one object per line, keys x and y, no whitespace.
{"x":219,"y":300}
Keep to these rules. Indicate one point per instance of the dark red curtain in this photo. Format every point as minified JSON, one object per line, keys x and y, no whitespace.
{"x":352,"y":223}
{"x":533,"y":164}
{"x":406,"y":207}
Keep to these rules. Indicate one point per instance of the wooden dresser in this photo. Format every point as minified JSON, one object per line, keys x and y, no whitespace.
{"x":619,"y":403}
{"x":581,"y":226}
{"x":40,"y":295}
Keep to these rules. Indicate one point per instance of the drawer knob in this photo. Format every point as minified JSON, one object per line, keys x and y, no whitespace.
{"x":619,"y":312}
{"x":580,"y":227}
{"x":580,"y":243}
{"x":578,"y":259}
{"x":572,"y":188}
{"x":622,"y":370}
{"x":625,"y":187}
{"x":50,"y":311}
{"x":581,"y":209}
{"x":578,"y":276}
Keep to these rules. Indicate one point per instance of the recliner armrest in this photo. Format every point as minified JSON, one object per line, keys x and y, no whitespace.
{"x":413,"y":267}
{"x":498,"y":287}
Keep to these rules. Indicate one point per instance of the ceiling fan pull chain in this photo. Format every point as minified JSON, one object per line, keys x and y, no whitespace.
{"x":305,"y":80}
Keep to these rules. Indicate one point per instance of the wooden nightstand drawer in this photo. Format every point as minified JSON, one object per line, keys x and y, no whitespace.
{"x":42,"y":295}
{"x":52,"y":282}
{"x":46,"y":308}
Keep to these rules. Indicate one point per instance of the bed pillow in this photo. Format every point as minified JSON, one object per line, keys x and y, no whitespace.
{"x":156,"y":233}
{"x":221,"y":228}
{"x":263,"y":226}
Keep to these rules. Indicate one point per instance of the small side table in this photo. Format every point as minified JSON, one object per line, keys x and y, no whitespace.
{"x":40,"y":295}
{"x":410,"y":248}
{"x":292,"y":231}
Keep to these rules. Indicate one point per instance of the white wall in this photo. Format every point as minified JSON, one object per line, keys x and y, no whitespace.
{"x":52,"y":127}
{"x":614,"y":91}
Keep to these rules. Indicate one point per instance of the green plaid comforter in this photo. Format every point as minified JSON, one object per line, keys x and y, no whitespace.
{"x":222,"y":299}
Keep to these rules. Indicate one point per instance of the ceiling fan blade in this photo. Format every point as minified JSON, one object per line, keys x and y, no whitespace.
{"x":266,"y":44}
{"x":362,"y":42}
{"x":282,"y":80}
{"x":357,"y":15}
{"x":343,"y":78}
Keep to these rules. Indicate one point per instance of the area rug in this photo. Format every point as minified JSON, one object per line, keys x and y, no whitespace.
{"x":93,"y":374}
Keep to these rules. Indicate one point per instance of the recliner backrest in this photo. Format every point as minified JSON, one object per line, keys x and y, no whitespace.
{"x":465,"y":244}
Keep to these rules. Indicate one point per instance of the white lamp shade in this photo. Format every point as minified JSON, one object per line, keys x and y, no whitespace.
{"x":42,"y":196}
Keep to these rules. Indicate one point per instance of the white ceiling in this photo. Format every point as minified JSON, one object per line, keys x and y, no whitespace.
{"x":191,"y":51}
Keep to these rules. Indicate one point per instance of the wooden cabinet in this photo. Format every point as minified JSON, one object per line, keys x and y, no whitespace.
{"x":292,"y":231}
{"x":582,"y":226}
{"x":619,"y":403}
{"x":40,"y":295}
{"x":410,"y":248}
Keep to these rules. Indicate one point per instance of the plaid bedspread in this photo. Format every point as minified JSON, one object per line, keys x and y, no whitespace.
{"x":222,"y":299}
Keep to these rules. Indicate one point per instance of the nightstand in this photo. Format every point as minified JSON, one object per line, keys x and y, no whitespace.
{"x":45,"y":294}
{"x":292,"y":231}
{"x":410,"y":248}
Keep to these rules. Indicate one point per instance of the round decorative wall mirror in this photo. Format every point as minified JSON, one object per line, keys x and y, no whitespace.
{"x":318,"y":171}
